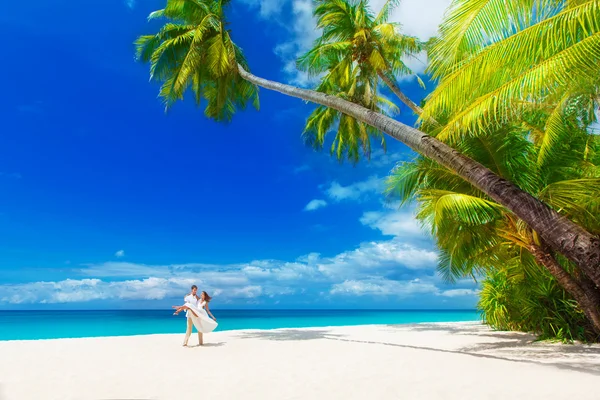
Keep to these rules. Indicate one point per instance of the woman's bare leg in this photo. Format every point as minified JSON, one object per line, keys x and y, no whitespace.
{"x":178,"y":309}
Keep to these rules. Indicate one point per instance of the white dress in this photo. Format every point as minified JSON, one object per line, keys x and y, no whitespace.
{"x":201,"y":320}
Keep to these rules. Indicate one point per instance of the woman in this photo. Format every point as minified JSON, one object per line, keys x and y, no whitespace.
{"x":200,"y":315}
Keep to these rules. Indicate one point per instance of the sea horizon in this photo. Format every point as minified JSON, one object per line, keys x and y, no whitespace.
{"x":63,"y":324}
{"x":245,"y":309}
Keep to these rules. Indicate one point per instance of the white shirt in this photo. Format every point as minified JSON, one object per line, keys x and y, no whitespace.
{"x":190,"y":298}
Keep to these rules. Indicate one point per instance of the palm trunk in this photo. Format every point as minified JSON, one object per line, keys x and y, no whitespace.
{"x":588,"y":302}
{"x":561,"y":234}
{"x":587,"y":285}
{"x":394,"y":88}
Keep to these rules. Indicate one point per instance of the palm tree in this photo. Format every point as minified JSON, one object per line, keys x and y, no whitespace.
{"x":477,"y":236}
{"x":353,"y":35}
{"x":349,"y":83}
{"x":497,"y":61}
{"x":194,"y":50}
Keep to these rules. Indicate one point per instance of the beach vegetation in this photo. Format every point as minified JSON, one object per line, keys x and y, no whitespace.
{"x":517,"y":89}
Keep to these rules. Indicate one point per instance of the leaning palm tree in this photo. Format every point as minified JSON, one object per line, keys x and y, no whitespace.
{"x":194,"y":50}
{"x":351,"y":33}
{"x":477,"y":236}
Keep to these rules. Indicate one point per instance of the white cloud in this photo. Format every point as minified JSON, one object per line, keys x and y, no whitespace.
{"x":247,"y":282}
{"x":303,"y":33}
{"x":130,"y":4}
{"x":384,"y":287}
{"x":247,"y":292}
{"x":120,"y":254}
{"x":120,"y":269}
{"x":399,"y":223}
{"x":382,"y":159}
{"x":315,"y":205}
{"x":460,"y":292}
{"x":378,"y":258}
{"x":354,"y":191}
{"x":84,"y":290}
{"x":419,"y":18}
{"x":267,"y":8}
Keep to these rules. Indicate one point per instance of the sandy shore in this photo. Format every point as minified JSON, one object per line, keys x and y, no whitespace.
{"x":423,"y":361}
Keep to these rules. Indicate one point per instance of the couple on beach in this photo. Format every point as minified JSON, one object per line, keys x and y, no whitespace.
{"x":197,"y":314}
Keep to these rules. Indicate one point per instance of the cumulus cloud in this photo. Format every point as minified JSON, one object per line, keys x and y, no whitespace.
{"x":383,"y":159}
{"x":120,"y":254}
{"x":383,"y":287}
{"x":266,"y":8}
{"x":355,"y":191}
{"x":256,"y":280}
{"x":419,"y":18}
{"x":398,"y":223}
{"x":381,"y":258}
{"x":392,"y":268}
{"x":301,"y":33}
{"x":460,"y":292}
{"x":315,"y":205}
{"x":85,"y":290}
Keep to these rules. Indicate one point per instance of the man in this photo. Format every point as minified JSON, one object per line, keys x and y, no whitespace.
{"x":195,"y":300}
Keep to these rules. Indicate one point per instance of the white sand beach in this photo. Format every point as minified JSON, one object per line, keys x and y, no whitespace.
{"x":423,"y":361}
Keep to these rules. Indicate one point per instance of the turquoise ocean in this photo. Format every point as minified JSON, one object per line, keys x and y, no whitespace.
{"x":28,"y":325}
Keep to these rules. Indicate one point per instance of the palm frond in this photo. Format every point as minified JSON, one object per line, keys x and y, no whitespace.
{"x":471,"y":210}
{"x":471,"y":25}
{"x":193,"y":51}
{"x":579,"y":198}
{"x":384,"y":13}
{"x":503,"y":79}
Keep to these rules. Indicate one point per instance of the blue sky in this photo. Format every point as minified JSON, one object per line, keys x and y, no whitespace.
{"x":108,"y":202}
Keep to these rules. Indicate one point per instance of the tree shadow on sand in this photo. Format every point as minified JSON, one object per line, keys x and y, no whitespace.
{"x":510,"y":346}
{"x":289,"y":335}
{"x":475,"y":329}
{"x":519,"y":343}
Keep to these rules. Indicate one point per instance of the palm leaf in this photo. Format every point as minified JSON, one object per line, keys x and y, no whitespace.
{"x":502,"y":80}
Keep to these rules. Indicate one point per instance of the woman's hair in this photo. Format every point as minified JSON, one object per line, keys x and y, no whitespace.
{"x":207,"y":298}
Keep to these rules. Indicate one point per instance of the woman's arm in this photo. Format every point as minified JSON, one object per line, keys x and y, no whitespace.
{"x":209,"y":313}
